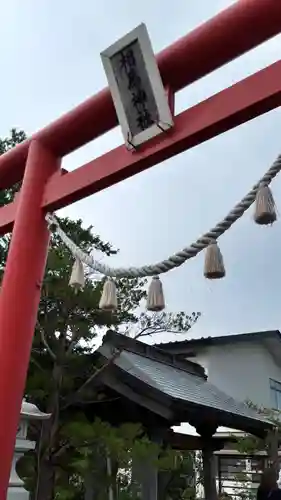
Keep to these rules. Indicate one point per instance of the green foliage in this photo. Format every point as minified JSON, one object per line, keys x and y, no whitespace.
{"x":7,"y":195}
{"x":88,"y":445}
{"x":181,"y":482}
{"x":249,"y":445}
{"x":98,"y":439}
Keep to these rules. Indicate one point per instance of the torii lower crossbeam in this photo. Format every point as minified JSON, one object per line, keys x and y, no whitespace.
{"x":224,"y":37}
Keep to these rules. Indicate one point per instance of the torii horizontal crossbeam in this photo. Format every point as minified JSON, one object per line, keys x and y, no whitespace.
{"x":229,"y":108}
{"x":234,"y":31}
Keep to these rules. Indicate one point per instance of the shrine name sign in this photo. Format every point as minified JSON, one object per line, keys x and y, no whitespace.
{"x":136,"y":87}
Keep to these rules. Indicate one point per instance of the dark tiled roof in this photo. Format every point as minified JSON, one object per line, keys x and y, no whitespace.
{"x":178,"y":384}
{"x":152,"y":352}
{"x":221,"y":340}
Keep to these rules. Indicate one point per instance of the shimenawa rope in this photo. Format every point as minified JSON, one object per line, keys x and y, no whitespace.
{"x":178,"y":258}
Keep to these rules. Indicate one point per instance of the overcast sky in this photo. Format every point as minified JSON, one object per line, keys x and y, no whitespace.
{"x":50,"y":62}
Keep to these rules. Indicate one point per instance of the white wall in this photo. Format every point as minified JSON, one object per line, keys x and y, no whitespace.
{"x":241,"y":370}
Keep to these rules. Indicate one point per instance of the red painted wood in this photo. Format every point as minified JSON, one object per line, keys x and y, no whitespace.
{"x":242,"y":102}
{"x":7,"y":217}
{"x":214,"y":43}
{"x":19,"y":298}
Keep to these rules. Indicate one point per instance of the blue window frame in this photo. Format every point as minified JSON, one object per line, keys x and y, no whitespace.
{"x":275,"y":394}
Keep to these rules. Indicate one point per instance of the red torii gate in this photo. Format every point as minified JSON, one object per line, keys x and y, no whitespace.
{"x":231,"y":33}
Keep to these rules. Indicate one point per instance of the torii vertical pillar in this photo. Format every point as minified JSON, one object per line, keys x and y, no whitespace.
{"x":20,"y":296}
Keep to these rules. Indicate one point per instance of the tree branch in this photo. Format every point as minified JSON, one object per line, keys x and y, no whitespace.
{"x":91,"y":379}
{"x":74,"y":338}
{"x":96,"y":374}
{"x":41,"y":329}
{"x":44,"y":341}
{"x":37,"y":364}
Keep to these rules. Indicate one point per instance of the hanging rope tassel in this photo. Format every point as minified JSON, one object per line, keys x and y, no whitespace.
{"x":265,"y":208}
{"x":214,"y":266}
{"x":108,"y":301}
{"x":77,"y":278}
{"x":155,"y":296}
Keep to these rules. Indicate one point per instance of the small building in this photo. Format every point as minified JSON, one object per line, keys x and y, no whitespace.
{"x":247,"y":367}
{"x":161,"y":390}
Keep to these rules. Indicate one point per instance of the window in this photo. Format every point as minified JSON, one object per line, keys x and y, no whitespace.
{"x":275,"y":394}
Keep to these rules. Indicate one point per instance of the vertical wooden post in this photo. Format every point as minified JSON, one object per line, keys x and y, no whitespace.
{"x":209,"y":465}
{"x":95,"y":480}
{"x":219,"y":476}
{"x":209,"y":472}
{"x":19,"y":298}
{"x":163,"y":481}
{"x":272,"y":445}
{"x":145,"y":480}
{"x":145,"y":473}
